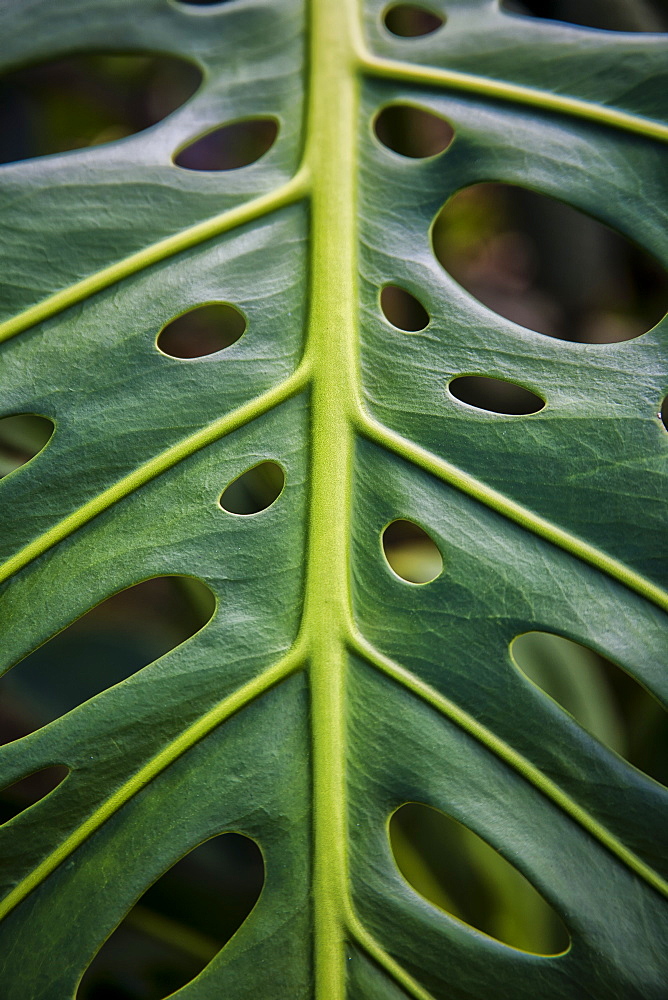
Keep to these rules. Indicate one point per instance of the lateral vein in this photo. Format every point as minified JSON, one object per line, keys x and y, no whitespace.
{"x":368,"y":943}
{"x":504,"y":752}
{"x":294,"y":190}
{"x":160,"y":463}
{"x":289,"y":664}
{"x":451,"y":474}
{"x":471,"y":83}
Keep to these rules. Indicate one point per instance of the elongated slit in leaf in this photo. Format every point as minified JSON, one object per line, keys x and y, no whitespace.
{"x":547,"y":266}
{"x":229,"y":147}
{"x":106,"y":645}
{"x":254,"y":490}
{"x":410,"y":20}
{"x":22,"y":437}
{"x":602,"y":697}
{"x":89,"y":100}
{"x":495,"y":394}
{"x":180,"y":923}
{"x":649,"y":15}
{"x":456,"y":870}
{"x":412,"y":132}
{"x":402,"y":309}
{"x":29,"y":790}
{"x":410,"y":552}
{"x":201,"y":331}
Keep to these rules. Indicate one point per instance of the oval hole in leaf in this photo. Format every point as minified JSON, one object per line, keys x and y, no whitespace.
{"x":201,"y":331}
{"x":409,"y":20}
{"x":179,"y":924}
{"x":22,"y":436}
{"x":411,"y":553}
{"x":663,"y":412}
{"x":645,"y":16}
{"x":254,"y":490}
{"x":26,"y":792}
{"x":495,"y":395}
{"x":456,"y":870}
{"x":547,"y":266}
{"x":601,"y":697}
{"x":237,"y":144}
{"x":105,"y":646}
{"x":87,"y":100}
{"x":402,"y":309}
{"x":411,"y":131}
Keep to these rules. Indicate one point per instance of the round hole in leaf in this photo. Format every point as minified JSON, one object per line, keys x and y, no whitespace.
{"x":602,"y":697}
{"x":410,"y":20}
{"x":22,"y":437}
{"x":646,"y":16}
{"x":180,"y":922}
{"x":120,"y":636}
{"x":228,"y":147}
{"x":411,"y":553}
{"x":412,"y":132}
{"x":31,"y":789}
{"x":88,"y":100}
{"x":402,"y":309}
{"x":455,"y":869}
{"x":547,"y":266}
{"x":495,"y":395}
{"x":663,"y":412}
{"x":254,"y":490}
{"x":201,"y":331}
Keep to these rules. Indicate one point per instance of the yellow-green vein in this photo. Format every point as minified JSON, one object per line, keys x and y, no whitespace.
{"x":331,"y":155}
{"x":155,"y":467}
{"x":294,"y":190}
{"x":368,"y":943}
{"x":289,"y":664}
{"x":470,"y":83}
{"x":451,"y":474}
{"x":511,"y":757}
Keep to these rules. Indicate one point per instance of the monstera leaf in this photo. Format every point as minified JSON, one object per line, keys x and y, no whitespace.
{"x":327,"y":690}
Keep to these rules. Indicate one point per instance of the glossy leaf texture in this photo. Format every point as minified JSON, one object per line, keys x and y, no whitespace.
{"x":269,"y":461}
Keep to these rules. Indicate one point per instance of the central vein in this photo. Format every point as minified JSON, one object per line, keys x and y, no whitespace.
{"x":331,"y":157}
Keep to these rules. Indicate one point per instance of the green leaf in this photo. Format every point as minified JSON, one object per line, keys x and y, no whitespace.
{"x":327,"y":691}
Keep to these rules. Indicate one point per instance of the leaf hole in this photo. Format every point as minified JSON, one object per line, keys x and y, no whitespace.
{"x":28,"y":791}
{"x":663,"y":412}
{"x":410,"y":20}
{"x":254,"y":490}
{"x":456,"y":870}
{"x":22,"y":437}
{"x":495,"y":395}
{"x":402,"y":309}
{"x":545,"y":265}
{"x":411,"y":553}
{"x":228,"y":147}
{"x":412,"y":132}
{"x":179,"y":924}
{"x":641,"y":15}
{"x":201,"y":331}
{"x":602,"y":697}
{"x":88,"y":100}
{"x":108,"y":644}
